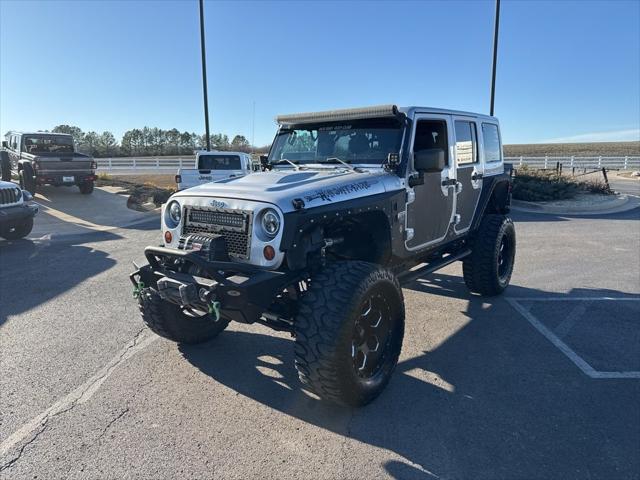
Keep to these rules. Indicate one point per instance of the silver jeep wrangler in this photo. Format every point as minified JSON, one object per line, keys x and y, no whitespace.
{"x":351,"y":205}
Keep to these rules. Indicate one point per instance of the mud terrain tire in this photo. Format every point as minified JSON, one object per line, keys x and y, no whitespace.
{"x":5,"y":167}
{"x":341,"y":308}
{"x":487,"y":270}
{"x":28,"y":179}
{"x":20,"y":230}
{"x":86,"y":188}
{"x":169,"y":321}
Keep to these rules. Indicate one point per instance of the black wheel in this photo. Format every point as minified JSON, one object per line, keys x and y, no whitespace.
{"x":86,"y":188}
{"x":349,"y":332}
{"x":28,"y":179}
{"x":21,"y":230}
{"x":488,"y":269}
{"x":171,"y":321}
{"x":5,"y":166}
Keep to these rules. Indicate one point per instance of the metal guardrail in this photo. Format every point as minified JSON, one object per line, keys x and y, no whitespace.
{"x":171,"y":164}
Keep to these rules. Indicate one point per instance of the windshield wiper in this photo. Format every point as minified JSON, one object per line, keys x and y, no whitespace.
{"x":337,"y":160}
{"x":285,"y":160}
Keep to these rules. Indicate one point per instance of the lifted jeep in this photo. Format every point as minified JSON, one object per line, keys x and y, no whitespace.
{"x":352,"y":204}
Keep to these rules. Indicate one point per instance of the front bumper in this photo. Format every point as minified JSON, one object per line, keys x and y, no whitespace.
{"x":243,"y":291}
{"x":58,"y":178}
{"x":17,"y":213}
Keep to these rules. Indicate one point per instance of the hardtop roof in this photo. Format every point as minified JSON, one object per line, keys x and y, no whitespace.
{"x":219,"y":152}
{"x":12,"y":132}
{"x":378,"y":111}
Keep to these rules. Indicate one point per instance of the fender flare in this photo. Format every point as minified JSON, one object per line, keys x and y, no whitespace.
{"x":497,"y":195}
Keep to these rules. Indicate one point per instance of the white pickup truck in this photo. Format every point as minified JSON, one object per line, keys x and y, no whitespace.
{"x":214,"y":165}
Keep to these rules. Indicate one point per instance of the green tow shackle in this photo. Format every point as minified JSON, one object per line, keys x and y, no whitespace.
{"x":214,"y":309}
{"x":137,"y":289}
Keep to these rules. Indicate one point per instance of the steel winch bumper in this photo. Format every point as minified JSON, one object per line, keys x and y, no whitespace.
{"x":243,"y":292}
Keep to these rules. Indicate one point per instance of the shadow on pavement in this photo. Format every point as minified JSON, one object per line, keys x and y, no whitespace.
{"x":520,"y":216}
{"x":53,"y":268}
{"x":65,"y":210}
{"x":515,"y":407}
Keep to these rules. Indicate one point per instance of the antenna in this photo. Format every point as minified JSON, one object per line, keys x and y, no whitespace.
{"x":204,"y":76}
{"x":495,"y":56}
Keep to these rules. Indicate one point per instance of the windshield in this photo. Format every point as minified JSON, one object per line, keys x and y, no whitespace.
{"x":48,"y":144}
{"x":219,"y":162}
{"x":358,"y":142}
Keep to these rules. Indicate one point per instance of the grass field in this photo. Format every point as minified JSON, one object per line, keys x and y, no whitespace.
{"x":606,"y":149}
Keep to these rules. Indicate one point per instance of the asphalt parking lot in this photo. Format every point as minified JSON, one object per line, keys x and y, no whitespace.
{"x":542,"y":382}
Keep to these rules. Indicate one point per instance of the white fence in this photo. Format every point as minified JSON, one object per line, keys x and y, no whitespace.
{"x":142,"y":165}
{"x":149,"y":165}
{"x":613,"y":163}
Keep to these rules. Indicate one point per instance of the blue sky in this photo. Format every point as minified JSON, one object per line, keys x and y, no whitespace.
{"x":568,"y":70}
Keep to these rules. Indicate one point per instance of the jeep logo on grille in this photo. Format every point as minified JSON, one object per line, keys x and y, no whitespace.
{"x":217,"y":204}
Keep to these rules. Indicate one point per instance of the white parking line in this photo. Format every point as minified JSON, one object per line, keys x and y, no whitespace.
{"x":78,"y":396}
{"x":562,"y":299}
{"x":558,"y":343}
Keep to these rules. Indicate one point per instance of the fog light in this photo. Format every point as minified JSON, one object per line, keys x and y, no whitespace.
{"x":268,"y":252}
{"x":168,"y":237}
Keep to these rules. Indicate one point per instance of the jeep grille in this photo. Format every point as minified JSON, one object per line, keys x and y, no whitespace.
{"x":233,"y":225}
{"x":8,"y":195}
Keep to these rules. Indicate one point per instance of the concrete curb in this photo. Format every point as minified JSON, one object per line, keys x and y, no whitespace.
{"x":622,"y":204}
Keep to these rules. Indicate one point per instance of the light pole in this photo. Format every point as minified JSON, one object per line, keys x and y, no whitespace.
{"x":495,"y":56}
{"x":204,"y":76}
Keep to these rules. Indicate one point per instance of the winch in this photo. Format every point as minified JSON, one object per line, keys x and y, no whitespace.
{"x":211,"y":246}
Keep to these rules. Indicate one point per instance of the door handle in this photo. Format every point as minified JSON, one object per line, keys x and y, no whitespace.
{"x":476,"y":176}
{"x":449,"y":182}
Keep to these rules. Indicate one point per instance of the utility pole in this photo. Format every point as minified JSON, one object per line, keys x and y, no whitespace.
{"x":495,"y":56}
{"x":253,"y":126}
{"x":204,"y":76}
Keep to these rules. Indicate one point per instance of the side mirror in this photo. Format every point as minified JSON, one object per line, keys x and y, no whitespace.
{"x":264,"y":162}
{"x":429,"y":161}
{"x":4,"y":144}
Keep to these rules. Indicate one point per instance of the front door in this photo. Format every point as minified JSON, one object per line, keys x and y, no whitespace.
{"x":469,"y":172}
{"x":432,"y":199}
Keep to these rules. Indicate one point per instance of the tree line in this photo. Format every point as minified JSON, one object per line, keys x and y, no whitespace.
{"x":148,"y":141}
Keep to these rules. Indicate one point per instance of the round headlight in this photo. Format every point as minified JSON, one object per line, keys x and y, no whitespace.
{"x":174,"y":213}
{"x":18,"y":194}
{"x":270,"y":222}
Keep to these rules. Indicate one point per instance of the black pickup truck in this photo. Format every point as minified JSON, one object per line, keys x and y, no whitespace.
{"x":44,"y":158}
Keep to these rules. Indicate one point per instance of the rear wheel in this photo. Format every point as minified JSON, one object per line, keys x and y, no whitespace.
{"x":349,"y":332}
{"x":28,"y":179}
{"x":488,"y":269}
{"x":86,"y":188}
{"x":18,"y":231}
{"x":5,"y":167}
{"x":171,"y":321}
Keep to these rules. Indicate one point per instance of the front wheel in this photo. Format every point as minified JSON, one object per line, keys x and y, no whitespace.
{"x":18,"y":231}
{"x":5,"y":166}
{"x":28,"y":179}
{"x":349,"y":332}
{"x":171,"y":321}
{"x":487,"y":270}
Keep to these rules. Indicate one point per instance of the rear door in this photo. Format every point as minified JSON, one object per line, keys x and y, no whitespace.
{"x":469,"y":171}
{"x":431,"y":202}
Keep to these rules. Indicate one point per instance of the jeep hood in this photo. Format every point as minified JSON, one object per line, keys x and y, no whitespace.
{"x":314,"y":187}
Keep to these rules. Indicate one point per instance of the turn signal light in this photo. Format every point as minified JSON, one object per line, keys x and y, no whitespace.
{"x":269,"y":252}
{"x":168,"y":237}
